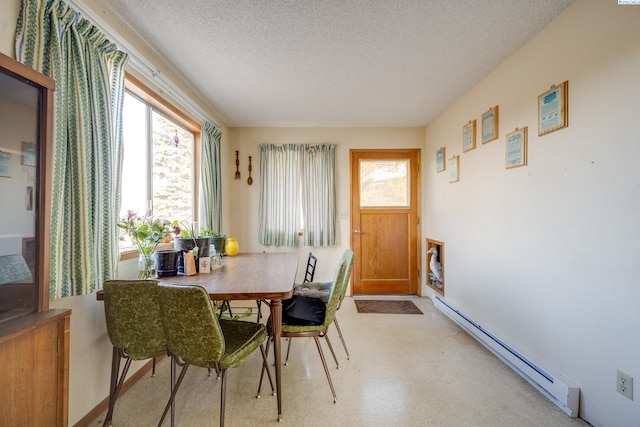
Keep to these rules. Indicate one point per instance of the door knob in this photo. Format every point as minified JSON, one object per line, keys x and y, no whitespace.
{"x":357,"y":231}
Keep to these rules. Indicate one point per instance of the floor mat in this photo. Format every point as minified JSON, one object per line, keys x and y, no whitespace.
{"x":387,"y":307}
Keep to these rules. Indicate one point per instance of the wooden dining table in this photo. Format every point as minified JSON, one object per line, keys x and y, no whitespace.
{"x":252,"y":276}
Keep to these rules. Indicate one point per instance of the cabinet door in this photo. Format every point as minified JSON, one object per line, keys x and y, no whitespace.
{"x":34,"y":371}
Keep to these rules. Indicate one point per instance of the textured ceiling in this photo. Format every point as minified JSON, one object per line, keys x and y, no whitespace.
{"x":333,"y":62}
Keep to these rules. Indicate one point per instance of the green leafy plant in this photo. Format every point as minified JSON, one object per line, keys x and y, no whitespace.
{"x":183,"y":230}
{"x":145,"y":234}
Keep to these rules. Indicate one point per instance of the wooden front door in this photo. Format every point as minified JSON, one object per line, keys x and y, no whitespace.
{"x":384,"y":221}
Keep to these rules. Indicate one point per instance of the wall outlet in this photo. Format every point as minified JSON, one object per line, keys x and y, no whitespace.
{"x":624,"y":384}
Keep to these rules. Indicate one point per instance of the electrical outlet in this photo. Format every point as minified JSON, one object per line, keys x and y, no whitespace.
{"x":624,"y":384}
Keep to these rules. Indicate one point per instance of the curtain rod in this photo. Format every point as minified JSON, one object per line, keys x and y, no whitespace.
{"x":141,"y":63}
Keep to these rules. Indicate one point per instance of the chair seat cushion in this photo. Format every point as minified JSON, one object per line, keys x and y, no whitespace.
{"x":240,"y":340}
{"x":320,"y":290}
{"x":303,"y":311}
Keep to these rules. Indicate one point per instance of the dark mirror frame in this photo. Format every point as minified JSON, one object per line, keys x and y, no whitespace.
{"x":42,"y":191}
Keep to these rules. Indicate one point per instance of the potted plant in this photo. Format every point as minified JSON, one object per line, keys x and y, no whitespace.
{"x":217,"y":239}
{"x":188,"y":239}
{"x":145,"y":234}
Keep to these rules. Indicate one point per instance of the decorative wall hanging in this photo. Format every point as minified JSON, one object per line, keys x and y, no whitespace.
{"x":516,"y":148}
{"x":490,"y":125}
{"x":28,"y":154}
{"x":453,"y":164}
{"x":469,"y":136}
{"x":250,"y":180}
{"x":5,"y":164}
{"x":237,"y":165}
{"x":553,"y":109}
{"x":440,"y":162}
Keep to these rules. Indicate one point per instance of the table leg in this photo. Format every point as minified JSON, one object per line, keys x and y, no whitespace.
{"x":276,"y":326}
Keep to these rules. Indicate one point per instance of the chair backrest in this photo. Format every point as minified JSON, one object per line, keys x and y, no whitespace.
{"x":347,"y":257}
{"x":311,"y":268}
{"x":340,"y":281}
{"x":190,"y":324}
{"x":132,"y":312}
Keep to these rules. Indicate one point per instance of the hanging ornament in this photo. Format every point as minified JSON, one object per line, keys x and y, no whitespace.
{"x":237,"y":165}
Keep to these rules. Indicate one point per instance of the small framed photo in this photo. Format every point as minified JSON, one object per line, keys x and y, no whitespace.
{"x":490,"y":121}
{"x":453,"y":164}
{"x":553,"y":109}
{"x":440,"y":162}
{"x":516,"y":148}
{"x":28,"y":154}
{"x":469,"y":136}
{"x":5,"y":164}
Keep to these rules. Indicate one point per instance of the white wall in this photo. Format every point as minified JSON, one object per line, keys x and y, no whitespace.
{"x":547,"y":256}
{"x":243,"y":223}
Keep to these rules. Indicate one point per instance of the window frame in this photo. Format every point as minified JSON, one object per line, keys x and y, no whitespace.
{"x":135,"y":87}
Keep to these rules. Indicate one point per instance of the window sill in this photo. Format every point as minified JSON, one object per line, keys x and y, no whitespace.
{"x":133,"y":253}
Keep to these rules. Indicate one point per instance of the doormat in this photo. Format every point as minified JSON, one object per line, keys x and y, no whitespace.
{"x":386,"y":307}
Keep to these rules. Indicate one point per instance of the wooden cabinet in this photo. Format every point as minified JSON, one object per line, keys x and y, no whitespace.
{"x":34,"y":368}
{"x":34,"y":340}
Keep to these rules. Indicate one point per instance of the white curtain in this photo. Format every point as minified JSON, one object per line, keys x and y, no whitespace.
{"x":319,"y":195}
{"x":297,"y":192}
{"x":211,"y":194}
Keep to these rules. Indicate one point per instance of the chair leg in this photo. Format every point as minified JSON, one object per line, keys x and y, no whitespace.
{"x":326,"y":337}
{"x":265,"y":366}
{"x":116,"y":383}
{"x":286,"y":359}
{"x":223,"y":396}
{"x":326,"y":370}
{"x":344,"y":344}
{"x":170,"y":403}
{"x":259,"y":304}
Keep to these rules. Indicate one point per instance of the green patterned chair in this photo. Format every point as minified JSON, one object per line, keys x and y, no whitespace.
{"x":134,"y":325}
{"x":322,"y":290}
{"x":295,"y":326}
{"x":195,"y":336}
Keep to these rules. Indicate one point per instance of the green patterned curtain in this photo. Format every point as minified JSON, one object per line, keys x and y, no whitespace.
{"x":319,"y":195}
{"x":211,"y":193}
{"x":87,"y":154}
{"x":280,"y":194}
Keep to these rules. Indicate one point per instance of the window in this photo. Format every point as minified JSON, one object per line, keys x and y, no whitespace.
{"x":158,"y":161}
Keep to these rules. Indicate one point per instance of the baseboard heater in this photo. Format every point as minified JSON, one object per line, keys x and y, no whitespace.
{"x":555,"y":388}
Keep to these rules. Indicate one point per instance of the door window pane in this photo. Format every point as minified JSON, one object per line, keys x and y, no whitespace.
{"x":384,"y":183}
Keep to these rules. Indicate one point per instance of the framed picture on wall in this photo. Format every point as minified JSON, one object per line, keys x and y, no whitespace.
{"x":516,"y":148}
{"x":28,"y":154}
{"x":5,"y":164}
{"x":469,"y":136}
{"x":553,"y":109}
{"x":490,"y":121}
{"x":440,"y":162}
{"x":453,"y":164}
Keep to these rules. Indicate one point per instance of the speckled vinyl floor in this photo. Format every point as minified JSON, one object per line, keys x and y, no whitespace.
{"x":405,"y":370}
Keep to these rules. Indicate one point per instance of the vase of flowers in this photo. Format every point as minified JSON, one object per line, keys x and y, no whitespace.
{"x":145,"y":234}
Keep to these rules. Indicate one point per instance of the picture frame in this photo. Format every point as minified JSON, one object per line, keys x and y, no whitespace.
{"x":553,"y":109}
{"x":490,"y":122}
{"x":516,"y":148}
{"x":5,"y":164}
{"x":28,"y":153}
{"x":453,"y":164}
{"x":469,"y":136}
{"x":440,"y":159}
